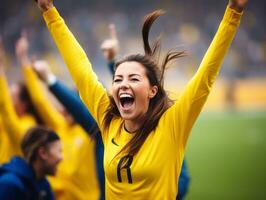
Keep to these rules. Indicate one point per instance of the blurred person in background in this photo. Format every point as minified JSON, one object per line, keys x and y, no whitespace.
{"x":144,"y":133}
{"x":77,"y":175}
{"x":71,"y":101}
{"x":25,"y":178}
{"x":110,"y":48}
{"x":17,"y":113}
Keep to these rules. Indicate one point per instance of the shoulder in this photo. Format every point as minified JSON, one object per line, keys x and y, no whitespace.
{"x":11,"y":180}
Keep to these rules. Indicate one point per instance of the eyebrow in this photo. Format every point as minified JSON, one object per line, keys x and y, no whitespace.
{"x":120,"y":76}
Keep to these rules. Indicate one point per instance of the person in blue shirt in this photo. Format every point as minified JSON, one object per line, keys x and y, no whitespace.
{"x":25,"y":178}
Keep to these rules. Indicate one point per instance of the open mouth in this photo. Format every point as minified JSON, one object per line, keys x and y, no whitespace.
{"x":126,"y":100}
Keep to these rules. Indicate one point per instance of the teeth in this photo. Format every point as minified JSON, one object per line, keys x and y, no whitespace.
{"x":125,"y":95}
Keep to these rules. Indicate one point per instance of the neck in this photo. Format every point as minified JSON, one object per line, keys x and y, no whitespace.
{"x":37,"y":168}
{"x":132,"y":126}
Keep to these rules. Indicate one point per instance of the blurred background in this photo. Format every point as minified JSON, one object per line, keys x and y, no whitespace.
{"x":227,"y":148}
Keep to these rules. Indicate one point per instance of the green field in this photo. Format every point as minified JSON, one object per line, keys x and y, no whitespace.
{"x":226,"y":157}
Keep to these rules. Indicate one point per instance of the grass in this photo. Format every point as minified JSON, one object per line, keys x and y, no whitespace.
{"x":226,"y":157}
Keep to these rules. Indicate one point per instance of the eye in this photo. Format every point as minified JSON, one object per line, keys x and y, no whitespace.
{"x":117,"y":80}
{"x":134,"y":79}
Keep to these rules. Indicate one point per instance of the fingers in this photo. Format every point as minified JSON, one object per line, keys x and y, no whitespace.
{"x":112,"y":31}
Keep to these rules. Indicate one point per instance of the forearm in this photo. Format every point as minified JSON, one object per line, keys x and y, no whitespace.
{"x":91,"y":90}
{"x":210,"y":66}
{"x":192,"y":100}
{"x":10,"y":119}
{"x":74,"y":105}
{"x":45,"y":109}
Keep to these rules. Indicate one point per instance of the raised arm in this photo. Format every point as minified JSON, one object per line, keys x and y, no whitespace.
{"x":48,"y":112}
{"x":10,"y":120}
{"x":67,"y":97}
{"x":110,"y":48}
{"x":187,"y":108}
{"x":91,"y":90}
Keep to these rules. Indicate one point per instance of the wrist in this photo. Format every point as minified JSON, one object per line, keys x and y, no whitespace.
{"x":236,"y":8}
{"x":24,"y":61}
{"x":46,"y":7}
{"x":50,"y":79}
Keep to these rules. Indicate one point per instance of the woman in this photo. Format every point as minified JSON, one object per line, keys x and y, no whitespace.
{"x":144,"y":135}
{"x":17,"y":112}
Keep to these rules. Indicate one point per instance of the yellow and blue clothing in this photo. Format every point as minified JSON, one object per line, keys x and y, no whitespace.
{"x":13,"y":127}
{"x":78,"y":110}
{"x":76,"y":175}
{"x":184,"y":178}
{"x":153,"y":172}
{"x":18,"y":181}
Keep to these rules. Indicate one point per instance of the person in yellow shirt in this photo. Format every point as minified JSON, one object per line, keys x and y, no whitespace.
{"x":76,"y":177}
{"x":144,"y":133}
{"x":17,"y":114}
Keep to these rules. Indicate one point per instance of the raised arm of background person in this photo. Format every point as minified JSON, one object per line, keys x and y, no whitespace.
{"x":74,"y":105}
{"x":77,"y":109}
{"x":91,"y":90}
{"x":82,"y":116}
{"x":110,"y":48}
{"x":10,"y":120}
{"x":48,"y":112}
{"x":186,"y":110}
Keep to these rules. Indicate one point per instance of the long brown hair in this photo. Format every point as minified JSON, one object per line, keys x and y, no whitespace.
{"x":155,"y":73}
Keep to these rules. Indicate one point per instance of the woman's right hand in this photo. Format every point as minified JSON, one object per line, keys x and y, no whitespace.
{"x":45,"y":5}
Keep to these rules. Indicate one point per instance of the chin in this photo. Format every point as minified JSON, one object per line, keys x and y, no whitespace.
{"x":52,"y":172}
{"x":127,"y":116}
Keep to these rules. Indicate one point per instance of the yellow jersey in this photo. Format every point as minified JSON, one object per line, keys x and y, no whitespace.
{"x":153,"y":172}
{"x":12,"y":127}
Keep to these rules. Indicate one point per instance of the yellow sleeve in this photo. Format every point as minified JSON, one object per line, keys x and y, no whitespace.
{"x":48,"y":112}
{"x":186,"y":110}
{"x":10,"y":120}
{"x":91,"y":90}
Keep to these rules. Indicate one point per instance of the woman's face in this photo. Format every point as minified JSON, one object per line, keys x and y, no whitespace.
{"x":132,"y":91}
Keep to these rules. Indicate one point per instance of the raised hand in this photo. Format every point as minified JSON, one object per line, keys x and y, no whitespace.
{"x":238,"y":5}
{"x":110,"y":46}
{"x":42,"y":68}
{"x":44,"y":5}
{"x":22,"y":47}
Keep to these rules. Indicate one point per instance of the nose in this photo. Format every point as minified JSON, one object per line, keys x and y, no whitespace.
{"x":124,"y":85}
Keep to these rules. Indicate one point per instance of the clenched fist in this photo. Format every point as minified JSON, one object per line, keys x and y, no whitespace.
{"x":238,"y":5}
{"x":44,"y":5}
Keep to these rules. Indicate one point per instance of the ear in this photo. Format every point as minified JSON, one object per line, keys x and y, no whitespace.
{"x":42,"y":153}
{"x":153,"y":91}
